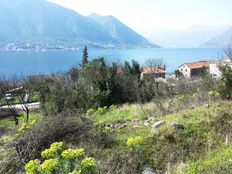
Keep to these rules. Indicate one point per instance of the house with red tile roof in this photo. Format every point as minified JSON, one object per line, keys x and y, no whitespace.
{"x":194,"y":69}
{"x":156,"y":72}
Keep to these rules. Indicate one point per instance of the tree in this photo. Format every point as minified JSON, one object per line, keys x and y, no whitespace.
{"x":225,"y":82}
{"x":178,"y":73}
{"x":24,"y":96}
{"x":127,"y":70}
{"x":228,"y":53}
{"x":73,"y":73}
{"x":154,"y":65}
{"x":136,"y":69}
{"x":85,"y":56}
{"x":7,"y":98}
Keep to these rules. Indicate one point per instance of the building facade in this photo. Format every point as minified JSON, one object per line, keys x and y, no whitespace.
{"x":194,"y":69}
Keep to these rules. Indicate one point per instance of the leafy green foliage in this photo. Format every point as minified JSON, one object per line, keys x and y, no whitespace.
{"x":225,"y":82}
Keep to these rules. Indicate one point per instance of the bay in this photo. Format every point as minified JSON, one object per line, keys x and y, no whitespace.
{"x":60,"y":61}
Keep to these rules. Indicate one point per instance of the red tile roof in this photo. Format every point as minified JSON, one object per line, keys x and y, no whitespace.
{"x":152,"y":70}
{"x":200,"y":64}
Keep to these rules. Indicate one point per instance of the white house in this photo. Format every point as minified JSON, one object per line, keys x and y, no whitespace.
{"x":214,"y":69}
{"x":194,"y":69}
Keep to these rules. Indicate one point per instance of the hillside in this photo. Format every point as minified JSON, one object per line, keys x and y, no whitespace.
{"x":42,"y":22}
{"x":188,"y":141}
{"x":119,"y":31}
{"x":222,"y":40}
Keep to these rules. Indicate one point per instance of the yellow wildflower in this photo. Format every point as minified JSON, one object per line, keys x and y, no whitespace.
{"x":130,"y":141}
{"x":50,"y":165}
{"x":72,"y":154}
{"x":32,"y":166}
{"x":57,"y":146}
{"x":134,"y":141}
{"x":51,"y":152}
{"x":88,"y":162}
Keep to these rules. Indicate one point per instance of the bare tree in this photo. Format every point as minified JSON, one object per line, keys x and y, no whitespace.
{"x":16,"y":88}
{"x":154,"y":69}
{"x":24,"y":95}
{"x":7,"y":99}
{"x":155,"y":62}
{"x":228,"y":52}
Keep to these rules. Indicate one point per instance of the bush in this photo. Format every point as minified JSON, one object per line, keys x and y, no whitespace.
{"x":225,"y":82}
{"x":63,"y":127}
{"x":101,"y":110}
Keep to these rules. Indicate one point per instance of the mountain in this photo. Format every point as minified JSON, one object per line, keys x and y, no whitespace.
{"x":193,"y":36}
{"x":46,"y":23}
{"x":37,"y":19}
{"x":119,"y":31}
{"x":221,"y":40}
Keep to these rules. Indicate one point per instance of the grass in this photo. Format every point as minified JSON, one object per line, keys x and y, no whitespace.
{"x":125,"y":112}
{"x":9,"y":122}
{"x":200,"y":146}
{"x":218,"y":161}
{"x":203,"y":137}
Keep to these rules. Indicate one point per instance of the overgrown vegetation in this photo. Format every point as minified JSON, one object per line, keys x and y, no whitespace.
{"x":123,"y":123}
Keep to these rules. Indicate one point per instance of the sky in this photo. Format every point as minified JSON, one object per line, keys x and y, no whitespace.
{"x":147,"y":15}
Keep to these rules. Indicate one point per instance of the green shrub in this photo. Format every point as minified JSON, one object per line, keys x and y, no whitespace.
{"x":211,"y":93}
{"x":25,"y":126}
{"x":225,"y":82}
{"x":181,"y":98}
{"x":113,"y":107}
{"x":101,"y":110}
{"x":90,"y":111}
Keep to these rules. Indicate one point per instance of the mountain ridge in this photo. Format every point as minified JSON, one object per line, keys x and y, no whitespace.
{"x":222,"y":40}
{"x":118,"y":30}
{"x":44,"y":22}
{"x":193,"y":36}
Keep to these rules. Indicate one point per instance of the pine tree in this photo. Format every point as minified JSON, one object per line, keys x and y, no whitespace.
{"x":85,"y":56}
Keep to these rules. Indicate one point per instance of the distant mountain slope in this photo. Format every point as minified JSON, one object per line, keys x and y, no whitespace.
{"x":28,"y":21}
{"x":191,"y":37}
{"x":119,"y":31}
{"x":38,"y":19}
{"x":221,"y":40}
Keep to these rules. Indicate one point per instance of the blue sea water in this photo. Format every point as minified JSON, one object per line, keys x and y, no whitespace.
{"x":60,"y":61}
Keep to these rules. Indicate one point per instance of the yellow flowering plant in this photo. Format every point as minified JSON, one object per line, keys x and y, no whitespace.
{"x":57,"y":160}
{"x":72,"y":154}
{"x":134,"y":141}
{"x":53,"y":151}
{"x":88,"y":162}
{"x":50,"y":165}
{"x":25,"y":126}
{"x":88,"y":165}
{"x":90,"y":111}
{"x":106,"y":129}
{"x":33,"y":166}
